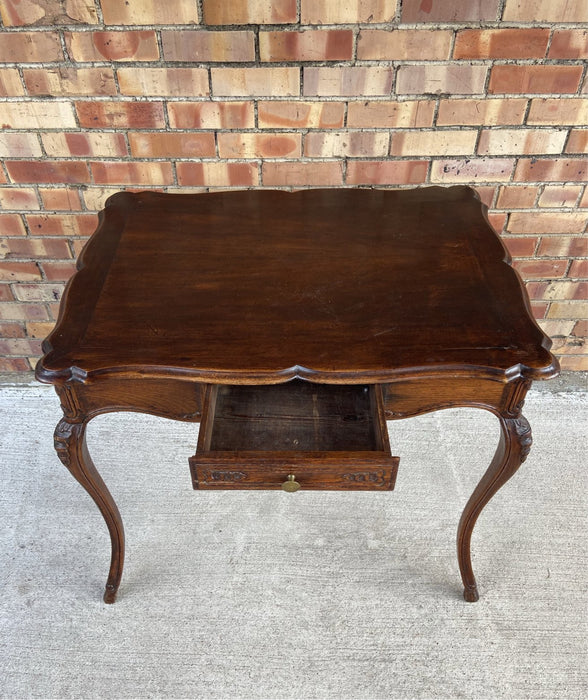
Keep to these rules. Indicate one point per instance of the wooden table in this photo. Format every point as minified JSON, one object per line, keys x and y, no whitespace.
{"x":293,"y":325}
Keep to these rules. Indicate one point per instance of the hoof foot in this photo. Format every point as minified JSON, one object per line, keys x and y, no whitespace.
{"x":471,"y":595}
{"x":110,"y":594}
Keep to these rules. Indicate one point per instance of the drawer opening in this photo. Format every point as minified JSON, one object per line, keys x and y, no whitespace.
{"x":329,"y":436}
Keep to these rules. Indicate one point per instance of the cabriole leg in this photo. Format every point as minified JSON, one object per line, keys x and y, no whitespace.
{"x":513,"y":448}
{"x":70,"y":444}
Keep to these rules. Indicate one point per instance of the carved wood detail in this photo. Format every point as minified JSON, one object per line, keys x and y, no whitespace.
{"x":513,"y":448}
{"x":71,"y":448}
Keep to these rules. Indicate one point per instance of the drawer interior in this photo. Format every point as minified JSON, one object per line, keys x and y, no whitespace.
{"x":329,"y":436}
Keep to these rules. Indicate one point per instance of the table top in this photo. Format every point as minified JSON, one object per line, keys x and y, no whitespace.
{"x":260,"y":286}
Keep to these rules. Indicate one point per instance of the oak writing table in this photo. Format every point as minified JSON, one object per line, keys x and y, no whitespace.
{"x":293,"y":325}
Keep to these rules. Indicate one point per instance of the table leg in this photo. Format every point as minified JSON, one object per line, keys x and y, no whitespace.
{"x":513,"y":448}
{"x":70,"y":444}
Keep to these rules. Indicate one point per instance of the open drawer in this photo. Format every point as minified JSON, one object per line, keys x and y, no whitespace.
{"x":293,"y":435}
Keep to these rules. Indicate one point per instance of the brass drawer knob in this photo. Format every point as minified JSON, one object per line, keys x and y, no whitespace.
{"x":291,"y":485}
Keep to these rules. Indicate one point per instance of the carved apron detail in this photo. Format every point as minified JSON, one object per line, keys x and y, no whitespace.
{"x":524,"y":434}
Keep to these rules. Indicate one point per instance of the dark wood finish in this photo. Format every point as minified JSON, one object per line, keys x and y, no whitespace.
{"x":336,"y":286}
{"x":410,"y":290}
{"x":295,"y":416}
{"x":329,"y":436}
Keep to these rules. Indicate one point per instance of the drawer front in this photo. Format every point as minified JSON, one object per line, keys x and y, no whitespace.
{"x":364,"y":471}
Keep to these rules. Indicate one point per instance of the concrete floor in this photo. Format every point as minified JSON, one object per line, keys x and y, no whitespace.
{"x":307,"y":595}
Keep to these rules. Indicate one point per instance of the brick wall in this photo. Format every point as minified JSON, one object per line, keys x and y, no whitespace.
{"x":181,"y":95}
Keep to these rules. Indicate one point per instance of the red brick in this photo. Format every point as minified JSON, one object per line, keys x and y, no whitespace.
{"x":450,"y":11}
{"x":20,"y":346}
{"x":62,"y":224}
{"x":14,"y":364}
{"x":348,"y":12}
{"x":536,"y":290}
{"x":329,"y":144}
{"x":457,"y":79}
{"x":558,"y":111}
{"x":472,"y":170}
{"x":551,"y":169}
{"x":540,"y":269}
{"x":578,"y":141}
{"x":80,"y":144}
{"x":163,"y":81}
{"x":30,"y":47}
{"x":18,"y":198}
{"x":21,"y":271}
{"x":12,"y":225}
{"x":249,"y":12}
{"x":36,"y":115}
{"x":112,"y":46}
{"x":34,"y":248}
{"x":560,"y":196}
{"x":138,"y":13}
{"x":309,"y":45}
{"x":47,"y":171}
{"x":303,"y":174}
{"x":501,"y":43}
{"x":79,"y":243}
{"x":5,"y":295}
{"x":251,"y":82}
{"x":300,"y":115}
{"x":211,"y":115}
{"x":16,"y":13}
{"x":69,"y":81}
{"x":217,"y":174}
{"x":486,"y":194}
{"x":521,"y":247}
{"x":497,"y":220}
{"x":387,"y":172}
{"x":19,"y":145}
{"x":172,"y":145}
{"x":385,"y":115}
{"x":10,"y":83}
{"x":12,"y":330}
{"x":569,"y":43}
{"x":403,"y":45}
{"x":545,"y":11}
{"x":125,"y":115}
{"x":515,"y":141}
{"x":348,"y":81}
{"x":584,"y":201}
{"x":579,"y":268}
{"x":533,"y":79}
{"x":517,"y":197}
{"x":482,"y":111}
{"x":267,"y":145}
{"x":22,"y":312}
{"x":547,"y":222}
{"x":580,"y":329}
{"x":58,"y":271}
{"x":137,"y":173}
{"x":563,"y":246}
{"x":200,"y":45}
